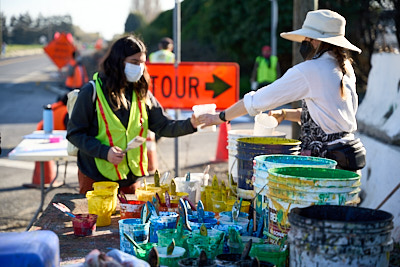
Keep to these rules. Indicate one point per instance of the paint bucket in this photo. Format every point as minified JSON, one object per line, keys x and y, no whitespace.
{"x":163,"y":221}
{"x":84,"y":224}
{"x":207,"y":215}
{"x":242,"y":222}
{"x":291,"y":187}
{"x":264,"y":162}
{"x":111,"y":187}
{"x":270,"y":253}
{"x":143,"y":254}
{"x":166,"y":235}
{"x":173,"y":259}
{"x":209,"y":223}
{"x":179,"y":195}
{"x":164,"y":188}
{"x":101,"y":203}
{"x":194,"y":262}
{"x":132,"y":209}
{"x":250,"y":147}
{"x":244,"y":208}
{"x":136,"y":229}
{"x":233,"y":135}
{"x":192,"y":187}
{"x":232,"y":260}
{"x":147,"y":194}
{"x":340,"y":236}
{"x":264,"y":125}
{"x":174,"y":207}
{"x":197,"y":243}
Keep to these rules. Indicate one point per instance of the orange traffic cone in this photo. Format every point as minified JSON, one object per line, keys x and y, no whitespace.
{"x":222,"y":152}
{"x":49,"y":174}
{"x":151,"y":152}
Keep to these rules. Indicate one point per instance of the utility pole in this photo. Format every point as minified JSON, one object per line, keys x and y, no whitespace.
{"x":177,"y":48}
{"x":1,"y":30}
{"x":300,"y":9}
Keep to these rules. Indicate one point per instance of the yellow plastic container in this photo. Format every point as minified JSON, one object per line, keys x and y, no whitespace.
{"x":147,"y":195}
{"x":244,"y":208}
{"x":111,"y":187}
{"x":175,"y":198}
{"x":164,"y":188}
{"x":100,"y":203}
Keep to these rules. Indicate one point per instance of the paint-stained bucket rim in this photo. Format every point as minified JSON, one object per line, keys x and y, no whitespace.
{"x":269,"y":141}
{"x":342,"y":175}
{"x":307,"y":161}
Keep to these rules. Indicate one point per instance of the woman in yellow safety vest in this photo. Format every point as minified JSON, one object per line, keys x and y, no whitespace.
{"x":124,"y":108}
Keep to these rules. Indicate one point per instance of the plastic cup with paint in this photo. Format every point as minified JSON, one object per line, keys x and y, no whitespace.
{"x":136,"y":229}
{"x":205,"y":109}
{"x":173,"y":259}
{"x":84,"y":224}
{"x":264,"y":125}
{"x":163,"y":221}
{"x":143,"y":253}
{"x":166,"y":235}
{"x":111,"y":187}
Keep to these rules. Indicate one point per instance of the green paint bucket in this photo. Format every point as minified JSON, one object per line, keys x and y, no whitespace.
{"x":270,"y":253}
{"x":298,"y":187}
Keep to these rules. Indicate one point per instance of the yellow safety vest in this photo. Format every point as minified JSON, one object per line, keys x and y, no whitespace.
{"x":266,"y":72}
{"x":113,"y":133}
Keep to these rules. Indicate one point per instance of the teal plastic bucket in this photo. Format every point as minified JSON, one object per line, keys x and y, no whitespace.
{"x":250,"y":147}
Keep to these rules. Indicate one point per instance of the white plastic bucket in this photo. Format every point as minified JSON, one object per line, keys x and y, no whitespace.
{"x":192,"y":187}
{"x":264,"y":125}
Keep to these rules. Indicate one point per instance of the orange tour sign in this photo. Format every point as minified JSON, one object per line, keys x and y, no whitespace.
{"x":60,"y":50}
{"x":195,"y":83}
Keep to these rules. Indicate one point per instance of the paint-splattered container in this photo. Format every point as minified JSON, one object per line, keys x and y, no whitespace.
{"x":270,"y":253}
{"x":84,"y":224}
{"x":290,"y":187}
{"x":250,"y":147}
{"x":197,"y":243}
{"x":136,"y":229}
{"x":208,"y":222}
{"x":132,"y":209}
{"x":264,"y":162}
{"x":340,"y":236}
{"x":164,"y":221}
{"x":170,"y":260}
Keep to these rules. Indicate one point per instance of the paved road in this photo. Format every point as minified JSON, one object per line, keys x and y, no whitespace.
{"x":26,"y":84}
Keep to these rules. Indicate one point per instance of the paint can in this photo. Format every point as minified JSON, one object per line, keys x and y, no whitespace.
{"x":100,"y":202}
{"x":173,"y":259}
{"x":132,"y":209}
{"x":163,"y":221}
{"x":340,"y":236}
{"x":136,"y":229}
{"x":194,"y":262}
{"x":232,"y":260}
{"x":143,"y":253}
{"x":291,"y":187}
{"x":166,"y":235}
{"x":250,"y":147}
{"x":233,"y":135}
{"x":208,"y":222}
{"x":191,"y":187}
{"x":264,"y":162}
{"x":111,"y":187}
{"x":270,"y":253}
{"x":147,"y":193}
{"x":196,"y":243}
{"x":84,"y":224}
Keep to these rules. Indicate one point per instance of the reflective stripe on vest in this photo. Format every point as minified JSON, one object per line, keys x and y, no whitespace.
{"x":113,"y":133}
{"x":266,"y":72}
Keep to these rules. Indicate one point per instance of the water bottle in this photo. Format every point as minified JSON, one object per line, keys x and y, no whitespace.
{"x":47,"y":119}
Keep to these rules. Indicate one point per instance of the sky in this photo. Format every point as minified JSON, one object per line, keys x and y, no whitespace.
{"x":104,"y":16}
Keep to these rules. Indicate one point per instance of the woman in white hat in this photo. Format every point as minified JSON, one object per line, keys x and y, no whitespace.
{"x":325,"y":82}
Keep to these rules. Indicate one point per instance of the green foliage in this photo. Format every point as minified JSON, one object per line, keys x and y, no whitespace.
{"x":134,"y":22}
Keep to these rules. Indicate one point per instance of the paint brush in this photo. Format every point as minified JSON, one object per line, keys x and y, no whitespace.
{"x":134,"y":143}
{"x":64,"y":209}
{"x":133,"y":242}
{"x":165,"y":177}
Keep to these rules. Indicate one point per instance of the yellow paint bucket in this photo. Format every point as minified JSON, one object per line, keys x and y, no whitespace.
{"x":100,"y":202}
{"x":164,"y":188}
{"x":111,"y":187}
{"x":179,"y":195}
{"x":147,"y":195}
{"x":244,"y":208}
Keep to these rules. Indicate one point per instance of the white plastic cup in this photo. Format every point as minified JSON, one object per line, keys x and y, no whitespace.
{"x":205,"y":109}
{"x":264,"y":125}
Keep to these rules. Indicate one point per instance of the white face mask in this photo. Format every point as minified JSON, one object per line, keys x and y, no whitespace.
{"x":133,"y":72}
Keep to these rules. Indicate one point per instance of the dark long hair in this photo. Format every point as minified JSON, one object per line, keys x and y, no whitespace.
{"x":112,"y":67}
{"x":341,"y":55}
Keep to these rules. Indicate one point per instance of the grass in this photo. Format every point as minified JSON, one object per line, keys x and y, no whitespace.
{"x":17,"y":47}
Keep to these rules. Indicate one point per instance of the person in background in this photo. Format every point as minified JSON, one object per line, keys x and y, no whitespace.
{"x":76,"y":73}
{"x":124,"y":109}
{"x":266,"y":69}
{"x":325,"y":82}
{"x":164,"y":54}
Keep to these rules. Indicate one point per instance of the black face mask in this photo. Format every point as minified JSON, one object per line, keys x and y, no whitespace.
{"x":305,"y":49}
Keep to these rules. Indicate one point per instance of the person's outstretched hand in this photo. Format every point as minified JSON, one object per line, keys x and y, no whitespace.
{"x":115,"y":155}
{"x":278,"y":114}
{"x":209,"y":119}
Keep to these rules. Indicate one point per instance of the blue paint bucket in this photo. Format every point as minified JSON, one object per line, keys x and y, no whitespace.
{"x":164,"y":221}
{"x":250,"y":147}
{"x":208,"y":222}
{"x":136,"y":229}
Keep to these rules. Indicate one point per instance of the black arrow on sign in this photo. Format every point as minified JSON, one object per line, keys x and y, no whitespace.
{"x":218,"y":86}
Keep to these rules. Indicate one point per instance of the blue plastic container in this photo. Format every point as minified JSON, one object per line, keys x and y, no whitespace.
{"x":36,"y":248}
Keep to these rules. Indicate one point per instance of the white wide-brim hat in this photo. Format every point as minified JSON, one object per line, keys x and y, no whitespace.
{"x":323,"y":25}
